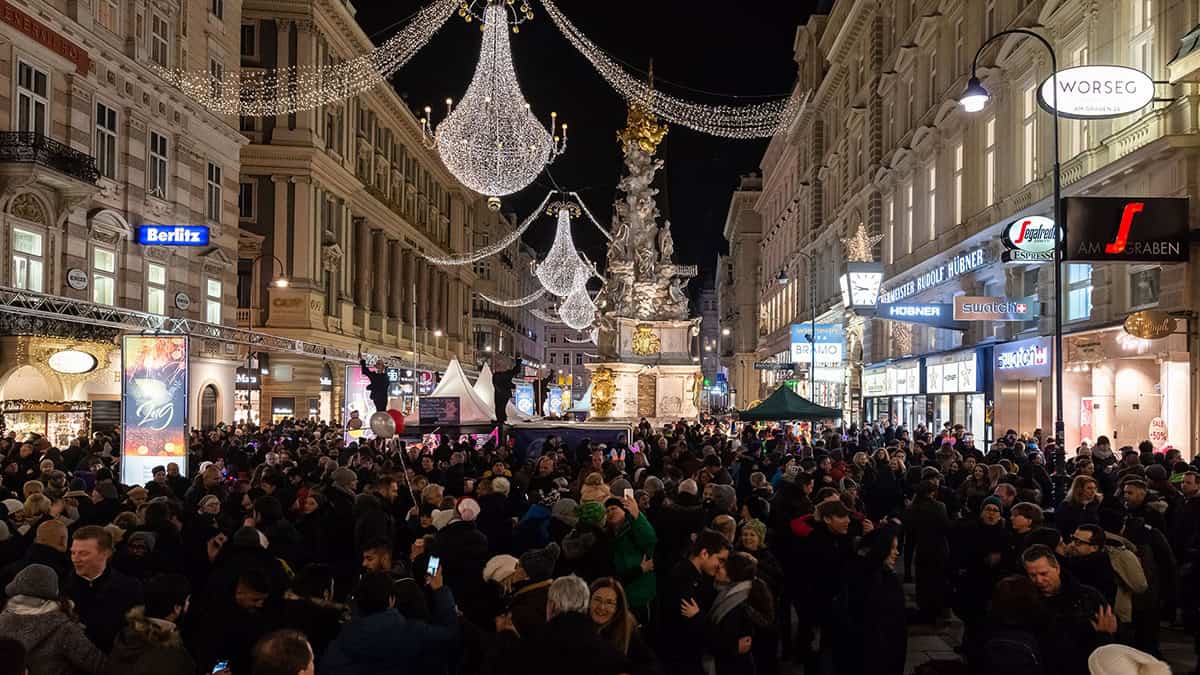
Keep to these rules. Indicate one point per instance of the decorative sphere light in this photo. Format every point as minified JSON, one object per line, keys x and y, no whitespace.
{"x":558,"y":271}
{"x":578,"y":311}
{"x":492,"y":142}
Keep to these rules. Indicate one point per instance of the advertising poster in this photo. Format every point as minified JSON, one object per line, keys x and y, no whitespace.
{"x":426,"y":383}
{"x":154,"y":404}
{"x":830,"y":339}
{"x":524,"y":398}
{"x":356,"y":400}
{"x":554,"y":403}
{"x":440,"y":411}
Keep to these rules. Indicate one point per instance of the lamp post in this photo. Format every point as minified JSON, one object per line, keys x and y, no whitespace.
{"x":812,"y":331}
{"x":974,"y":98}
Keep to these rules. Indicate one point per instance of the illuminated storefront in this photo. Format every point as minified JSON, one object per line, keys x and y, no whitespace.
{"x":247,"y":395}
{"x":890,"y":392}
{"x":955,"y":391}
{"x":1023,"y":373}
{"x":57,"y":421}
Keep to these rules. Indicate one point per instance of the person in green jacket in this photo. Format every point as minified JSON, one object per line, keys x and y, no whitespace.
{"x":633,"y":541}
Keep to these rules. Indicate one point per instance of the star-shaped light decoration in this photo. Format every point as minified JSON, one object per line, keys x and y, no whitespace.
{"x":860,"y":244}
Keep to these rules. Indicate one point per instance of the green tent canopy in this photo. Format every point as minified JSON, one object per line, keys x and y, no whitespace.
{"x":786,"y":404}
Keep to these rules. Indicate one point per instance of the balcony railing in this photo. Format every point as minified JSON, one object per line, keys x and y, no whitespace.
{"x":29,"y":146}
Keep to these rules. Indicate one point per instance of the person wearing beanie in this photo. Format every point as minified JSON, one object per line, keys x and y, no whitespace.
{"x":564,"y":515}
{"x":463,"y":550}
{"x":34,"y":616}
{"x":499,"y":570}
{"x":587,"y":548}
{"x":534,"y":574}
{"x":1122,"y":660}
{"x":980,"y":546}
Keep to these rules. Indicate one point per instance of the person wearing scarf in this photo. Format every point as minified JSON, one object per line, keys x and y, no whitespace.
{"x":741,"y":609}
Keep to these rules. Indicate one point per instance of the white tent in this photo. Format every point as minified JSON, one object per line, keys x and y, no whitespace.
{"x":484,"y":387}
{"x":584,"y":404}
{"x":514,"y":413}
{"x":473,"y":409}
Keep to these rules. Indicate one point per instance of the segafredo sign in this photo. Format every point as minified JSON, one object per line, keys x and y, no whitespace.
{"x":1029,"y":239}
{"x":1092,"y":92}
{"x":172,"y":235}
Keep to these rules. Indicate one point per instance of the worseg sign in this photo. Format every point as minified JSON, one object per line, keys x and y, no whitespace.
{"x":1093,"y":92}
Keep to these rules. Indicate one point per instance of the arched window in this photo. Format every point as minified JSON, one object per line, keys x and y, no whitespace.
{"x":208,"y":407}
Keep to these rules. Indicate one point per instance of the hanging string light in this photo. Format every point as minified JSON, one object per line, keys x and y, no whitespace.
{"x":487,"y":251}
{"x":492,"y":141}
{"x":557,"y":272}
{"x":578,"y":311}
{"x":545,"y":316}
{"x":279,"y":91}
{"x":756,"y":120}
{"x":519,"y":302}
{"x":588,"y":213}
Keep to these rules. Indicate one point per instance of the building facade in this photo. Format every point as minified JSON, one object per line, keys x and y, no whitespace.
{"x":95,"y":145}
{"x":738,"y":289}
{"x":344,"y":201}
{"x":883,"y":142}
{"x":709,"y":347}
{"x":567,"y":353}
{"x":500,"y":333}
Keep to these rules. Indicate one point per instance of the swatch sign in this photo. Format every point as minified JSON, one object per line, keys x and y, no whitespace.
{"x":1096,"y":92}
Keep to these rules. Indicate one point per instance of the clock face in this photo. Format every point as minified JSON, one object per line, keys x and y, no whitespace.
{"x":864,"y":289}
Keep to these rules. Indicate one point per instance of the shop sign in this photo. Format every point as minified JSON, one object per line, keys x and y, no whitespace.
{"x":1126,"y":229}
{"x":72,"y":362}
{"x":283,"y":407}
{"x":523,"y":395}
{"x":1029,"y":239}
{"x":773,"y":365}
{"x":246,"y":379}
{"x":874,"y":382}
{"x":988,"y":308}
{"x":172,"y":235}
{"x":830,"y":339}
{"x":1150,"y":324}
{"x":955,"y":267}
{"x":45,"y":36}
{"x":77,"y":278}
{"x":1096,"y":92}
{"x":1025,"y":359}
{"x":938,"y":314}
{"x":951,"y":374}
{"x":426,"y":383}
{"x":182,"y":301}
{"x":154,"y":401}
{"x":1158,"y":432}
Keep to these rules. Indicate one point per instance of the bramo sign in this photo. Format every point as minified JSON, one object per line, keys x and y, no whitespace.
{"x":1096,"y":92}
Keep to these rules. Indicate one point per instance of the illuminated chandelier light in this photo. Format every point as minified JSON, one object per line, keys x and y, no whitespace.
{"x":519,"y":302}
{"x":578,"y":311}
{"x":279,"y":91}
{"x":487,"y":251}
{"x":756,"y":120}
{"x":492,"y":142}
{"x":545,"y":316}
{"x":558,"y":271}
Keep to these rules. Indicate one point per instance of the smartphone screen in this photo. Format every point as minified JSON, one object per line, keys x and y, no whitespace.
{"x":434,"y":563}
{"x":628,"y":493}
{"x":220,"y":666}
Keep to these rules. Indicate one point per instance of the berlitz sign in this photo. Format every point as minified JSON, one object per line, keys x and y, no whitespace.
{"x":1127,"y":229}
{"x":1093,"y":92}
{"x":173,"y":235}
{"x":1030,"y":239}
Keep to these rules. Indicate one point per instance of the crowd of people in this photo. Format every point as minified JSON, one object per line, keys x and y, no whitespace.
{"x":695,"y":548}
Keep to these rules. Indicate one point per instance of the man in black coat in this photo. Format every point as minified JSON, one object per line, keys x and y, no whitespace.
{"x":823,"y":556}
{"x":101,"y":594}
{"x":685,"y":595}
{"x":1079,"y":620}
{"x":377,"y":384}
{"x":675,"y":523}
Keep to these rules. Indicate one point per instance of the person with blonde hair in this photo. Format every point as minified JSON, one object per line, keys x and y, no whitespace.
{"x":1081,"y":507}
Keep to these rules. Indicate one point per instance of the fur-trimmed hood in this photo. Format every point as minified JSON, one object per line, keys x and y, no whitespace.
{"x":143,"y":634}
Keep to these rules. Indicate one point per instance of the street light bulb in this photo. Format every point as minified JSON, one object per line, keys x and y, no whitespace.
{"x":437,"y":333}
{"x":725,"y":332}
{"x":281,"y":282}
{"x":975,"y":97}
{"x":487,"y":348}
{"x":695,"y":359}
{"x":782,"y":278}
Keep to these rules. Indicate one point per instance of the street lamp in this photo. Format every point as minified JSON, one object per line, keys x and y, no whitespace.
{"x":782,"y":278}
{"x":725,"y":332}
{"x":437,"y":333}
{"x":812,"y":336}
{"x":973,"y":100}
{"x":280,"y":281}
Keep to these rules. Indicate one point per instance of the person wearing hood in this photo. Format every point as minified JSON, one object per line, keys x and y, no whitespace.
{"x":874,"y":636}
{"x":383,"y":641}
{"x":463,"y":550}
{"x":530,"y":584}
{"x":587,"y":549}
{"x":36,"y":616}
{"x":633,"y":542}
{"x":152,"y":628}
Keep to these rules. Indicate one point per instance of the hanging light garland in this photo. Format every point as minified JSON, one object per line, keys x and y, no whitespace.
{"x":519,"y":302}
{"x":545,"y":316}
{"x":588,"y":213}
{"x":558,"y":271}
{"x":487,"y":251}
{"x":492,"y":142}
{"x":279,"y":91}
{"x":756,"y":120}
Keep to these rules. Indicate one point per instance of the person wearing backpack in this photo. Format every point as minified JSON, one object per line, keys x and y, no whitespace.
{"x":1011,"y":641}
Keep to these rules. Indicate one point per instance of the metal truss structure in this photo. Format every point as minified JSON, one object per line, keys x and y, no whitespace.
{"x":57,"y":308}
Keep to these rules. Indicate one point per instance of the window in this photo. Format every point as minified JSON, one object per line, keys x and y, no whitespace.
{"x":1143,"y":14}
{"x":989,"y":19}
{"x":33,"y":98}
{"x":212,"y":301}
{"x":579,"y":358}
{"x":104,"y":269}
{"x":989,"y":161}
{"x":1079,"y":292}
{"x":216,"y":71}
{"x":1141,"y":23}
{"x":160,"y":41}
{"x":1144,"y":286}
{"x":890,"y":214}
{"x":214,"y":192}
{"x":108,"y":14}
{"x":249,"y":40}
{"x":911,"y":111}
{"x":106,"y":140}
{"x":958,"y":183}
{"x":27,"y":260}
{"x":959,"y":49}
{"x":552,"y":356}
{"x":1079,"y":128}
{"x":246,"y":201}
{"x":156,"y":289}
{"x":1029,"y":133}
{"x":158,"y":165}
{"x":908,"y":217}
{"x":217,"y":7}
{"x":932,"y":83}
{"x":931,"y":198}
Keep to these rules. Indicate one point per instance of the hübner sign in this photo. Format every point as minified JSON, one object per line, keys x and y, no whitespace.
{"x":955,"y":267}
{"x":1092,"y":92}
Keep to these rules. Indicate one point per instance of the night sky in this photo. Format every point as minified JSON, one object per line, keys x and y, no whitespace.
{"x":733,"y":47}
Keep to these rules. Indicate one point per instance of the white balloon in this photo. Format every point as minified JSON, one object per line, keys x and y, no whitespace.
{"x":383,"y":425}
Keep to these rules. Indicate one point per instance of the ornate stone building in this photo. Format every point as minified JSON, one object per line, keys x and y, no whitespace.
{"x":882,"y":141}
{"x":94,"y":145}
{"x":738,"y":292}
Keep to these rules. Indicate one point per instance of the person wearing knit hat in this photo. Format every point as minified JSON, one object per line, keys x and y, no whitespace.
{"x":538,"y":564}
{"x":54,"y":642}
{"x":1122,"y":660}
{"x":442,"y":517}
{"x":994,"y":501}
{"x":757,"y":527}
{"x":591,"y":514}
{"x":499,"y":568}
{"x":35,"y":581}
{"x":345,"y":479}
{"x":14,"y":507}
